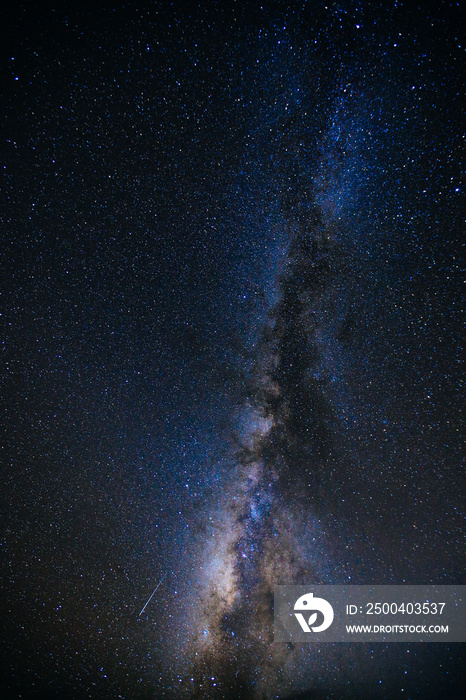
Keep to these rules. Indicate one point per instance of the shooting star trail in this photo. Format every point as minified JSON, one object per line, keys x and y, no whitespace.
{"x":152,"y":594}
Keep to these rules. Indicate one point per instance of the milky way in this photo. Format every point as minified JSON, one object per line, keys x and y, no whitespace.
{"x":230,"y":341}
{"x":264,"y":529}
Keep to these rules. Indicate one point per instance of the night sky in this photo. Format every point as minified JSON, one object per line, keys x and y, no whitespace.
{"x":230,"y":331}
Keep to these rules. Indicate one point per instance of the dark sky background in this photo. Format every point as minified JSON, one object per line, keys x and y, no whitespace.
{"x":230,"y":323}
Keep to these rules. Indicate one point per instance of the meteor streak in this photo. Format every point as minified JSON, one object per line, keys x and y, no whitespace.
{"x":152,"y":594}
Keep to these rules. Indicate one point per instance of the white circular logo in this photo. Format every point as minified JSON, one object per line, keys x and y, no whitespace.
{"x":308,"y":603}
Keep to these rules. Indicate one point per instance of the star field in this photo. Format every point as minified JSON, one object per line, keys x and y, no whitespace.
{"x":231,"y":341}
